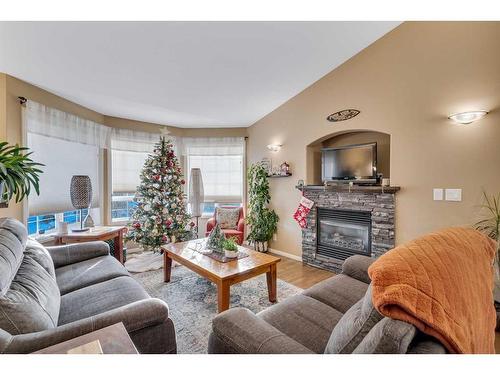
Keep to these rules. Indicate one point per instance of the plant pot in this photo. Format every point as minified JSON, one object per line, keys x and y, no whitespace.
{"x":260,"y":246}
{"x":230,"y":254}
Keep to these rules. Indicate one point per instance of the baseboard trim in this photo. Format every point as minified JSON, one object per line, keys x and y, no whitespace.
{"x":286,"y":255}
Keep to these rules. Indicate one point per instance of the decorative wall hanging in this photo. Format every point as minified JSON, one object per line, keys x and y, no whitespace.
{"x":345,"y":114}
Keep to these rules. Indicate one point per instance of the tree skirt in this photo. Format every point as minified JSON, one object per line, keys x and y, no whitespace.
{"x":192,"y":302}
{"x":143,"y":262}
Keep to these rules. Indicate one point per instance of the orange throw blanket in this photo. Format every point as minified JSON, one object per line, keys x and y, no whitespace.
{"x":443,"y":284}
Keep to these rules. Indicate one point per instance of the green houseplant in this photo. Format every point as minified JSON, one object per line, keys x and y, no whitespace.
{"x":18,"y":173}
{"x":490,"y":225}
{"x":230,"y":247}
{"x":263,"y":221}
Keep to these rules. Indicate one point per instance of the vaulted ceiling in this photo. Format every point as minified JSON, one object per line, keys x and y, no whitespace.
{"x":187,"y":74}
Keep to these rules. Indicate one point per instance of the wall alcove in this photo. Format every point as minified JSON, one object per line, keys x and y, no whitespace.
{"x":346,"y":138}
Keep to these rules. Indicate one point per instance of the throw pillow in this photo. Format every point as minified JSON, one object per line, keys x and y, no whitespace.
{"x":353,"y":326}
{"x":227,"y":218}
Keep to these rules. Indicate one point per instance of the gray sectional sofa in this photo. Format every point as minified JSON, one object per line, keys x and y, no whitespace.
{"x":50,"y":295}
{"x":334,"y":316}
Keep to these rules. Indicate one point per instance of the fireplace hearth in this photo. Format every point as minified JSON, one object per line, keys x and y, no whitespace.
{"x":342,"y":233}
{"x":347,"y":221}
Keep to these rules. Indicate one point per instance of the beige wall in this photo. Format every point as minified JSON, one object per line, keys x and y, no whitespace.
{"x":11,"y":125}
{"x":405,"y":84}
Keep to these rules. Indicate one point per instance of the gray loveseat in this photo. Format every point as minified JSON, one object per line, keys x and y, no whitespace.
{"x":334,"y":316}
{"x":50,"y":295}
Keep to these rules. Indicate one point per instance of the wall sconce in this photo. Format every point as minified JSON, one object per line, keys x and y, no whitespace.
{"x":464,"y":118}
{"x":274,"y":147}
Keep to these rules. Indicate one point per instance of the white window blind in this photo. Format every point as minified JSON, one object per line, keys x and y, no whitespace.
{"x":221,"y":164}
{"x":62,"y":160}
{"x":129,"y":150}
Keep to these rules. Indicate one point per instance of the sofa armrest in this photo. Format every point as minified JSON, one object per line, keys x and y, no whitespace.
{"x":357,"y":267}
{"x":210,"y":224}
{"x":134,"y":316}
{"x":238,"y":330}
{"x":77,"y":252}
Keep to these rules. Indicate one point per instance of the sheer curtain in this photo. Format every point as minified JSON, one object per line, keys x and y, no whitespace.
{"x":68,"y":145}
{"x":221,"y":163}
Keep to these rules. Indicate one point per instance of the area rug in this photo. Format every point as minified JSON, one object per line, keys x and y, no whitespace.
{"x":144,"y":261}
{"x":192,"y":302}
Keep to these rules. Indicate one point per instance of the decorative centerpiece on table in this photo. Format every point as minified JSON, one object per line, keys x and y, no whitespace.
{"x":230,"y":247}
{"x":160,"y":216}
{"x":216,"y":239}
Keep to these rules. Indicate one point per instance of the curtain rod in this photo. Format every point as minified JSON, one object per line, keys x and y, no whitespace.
{"x":22,"y":99}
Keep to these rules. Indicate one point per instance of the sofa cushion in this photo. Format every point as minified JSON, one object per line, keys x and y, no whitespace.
{"x":388,"y":336}
{"x":227,"y":217}
{"x":31,"y":304}
{"x":91,"y":271}
{"x":339,"y":292}
{"x":354,"y":326}
{"x":29,"y":298}
{"x":98,"y":298}
{"x":13,"y":236}
{"x":304,"y":319}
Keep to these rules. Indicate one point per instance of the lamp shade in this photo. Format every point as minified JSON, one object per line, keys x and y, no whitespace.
{"x":196,"y":195}
{"x":81,"y":192}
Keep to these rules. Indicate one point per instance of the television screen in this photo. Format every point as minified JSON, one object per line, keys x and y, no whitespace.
{"x":350,"y":162}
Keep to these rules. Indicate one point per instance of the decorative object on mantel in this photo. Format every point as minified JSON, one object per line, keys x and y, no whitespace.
{"x":263,"y":221}
{"x":283,"y":170}
{"x":81,"y":196}
{"x":18,"y":173}
{"x":345,"y":114}
{"x":300,"y":183}
{"x":302,"y":211}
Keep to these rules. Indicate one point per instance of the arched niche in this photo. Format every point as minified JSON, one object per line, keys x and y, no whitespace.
{"x":346,"y":138}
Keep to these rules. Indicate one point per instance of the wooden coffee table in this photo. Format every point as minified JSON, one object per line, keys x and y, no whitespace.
{"x":222,"y":274}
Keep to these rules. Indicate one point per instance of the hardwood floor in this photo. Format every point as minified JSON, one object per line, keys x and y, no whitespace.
{"x":299,"y":274}
{"x":303,"y":276}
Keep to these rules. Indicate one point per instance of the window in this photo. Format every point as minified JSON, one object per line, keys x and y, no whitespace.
{"x":129,"y":151}
{"x":67,"y":145}
{"x":221,"y":163}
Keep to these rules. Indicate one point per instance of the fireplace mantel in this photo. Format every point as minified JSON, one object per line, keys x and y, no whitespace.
{"x":379,"y":201}
{"x":376,"y":189}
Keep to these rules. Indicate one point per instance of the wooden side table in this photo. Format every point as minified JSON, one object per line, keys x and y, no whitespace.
{"x":112,"y":340}
{"x":99,"y":233}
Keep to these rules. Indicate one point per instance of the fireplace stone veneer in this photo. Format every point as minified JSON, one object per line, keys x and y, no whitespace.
{"x":378,"y":201}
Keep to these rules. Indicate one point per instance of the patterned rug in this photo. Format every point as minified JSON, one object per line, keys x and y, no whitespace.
{"x":192,"y":301}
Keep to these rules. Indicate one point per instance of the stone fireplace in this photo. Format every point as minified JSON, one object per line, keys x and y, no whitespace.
{"x":347,"y":221}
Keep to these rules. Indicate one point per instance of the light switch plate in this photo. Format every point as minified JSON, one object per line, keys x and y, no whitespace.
{"x":437,"y":194}
{"x":454,"y":195}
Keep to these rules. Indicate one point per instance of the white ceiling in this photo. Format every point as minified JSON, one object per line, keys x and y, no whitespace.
{"x":187,"y":74}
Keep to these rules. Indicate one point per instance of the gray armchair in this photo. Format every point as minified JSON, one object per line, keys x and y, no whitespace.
{"x":50,"y":295}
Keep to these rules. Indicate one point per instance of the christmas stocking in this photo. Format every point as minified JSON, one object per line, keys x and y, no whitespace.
{"x":302,"y":211}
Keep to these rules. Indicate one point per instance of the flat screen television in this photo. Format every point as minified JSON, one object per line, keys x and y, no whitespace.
{"x":355,"y":162}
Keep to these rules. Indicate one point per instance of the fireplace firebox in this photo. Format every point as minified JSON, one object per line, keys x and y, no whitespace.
{"x":342,"y":233}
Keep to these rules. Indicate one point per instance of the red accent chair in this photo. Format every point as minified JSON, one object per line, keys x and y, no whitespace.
{"x":239,"y":233}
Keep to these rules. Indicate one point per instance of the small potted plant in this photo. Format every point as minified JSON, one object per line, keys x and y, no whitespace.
{"x":230,"y":248}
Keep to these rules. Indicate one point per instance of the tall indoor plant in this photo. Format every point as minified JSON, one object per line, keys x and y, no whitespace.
{"x":263,"y":221}
{"x":18,"y":173}
{"x":490,"y":225}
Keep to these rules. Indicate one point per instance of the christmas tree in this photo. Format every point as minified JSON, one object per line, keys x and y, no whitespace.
{"x":160,"y":216}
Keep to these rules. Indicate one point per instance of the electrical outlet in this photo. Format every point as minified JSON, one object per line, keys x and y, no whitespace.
{"x":454,"y":195}
{"x":275,"y":237}
{"x":437,"y":194}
